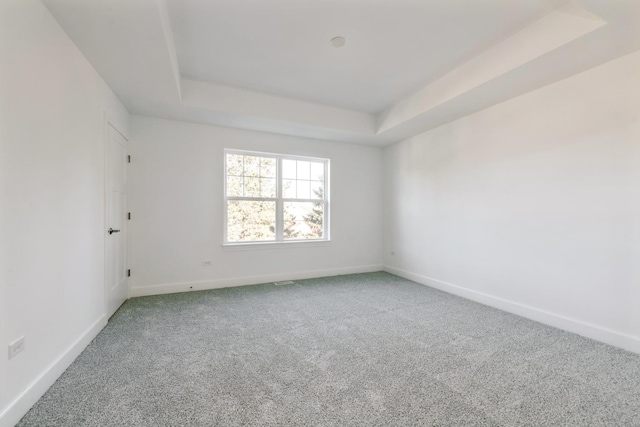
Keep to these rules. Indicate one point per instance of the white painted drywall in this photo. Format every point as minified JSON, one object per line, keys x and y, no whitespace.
{"x":176,"y":199}
{"x":532,"y":205}
{"x":52,"y":201}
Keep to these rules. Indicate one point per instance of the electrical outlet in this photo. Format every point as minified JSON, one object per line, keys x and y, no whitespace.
{"x":16,"y":347}
{"x":206,"y":263}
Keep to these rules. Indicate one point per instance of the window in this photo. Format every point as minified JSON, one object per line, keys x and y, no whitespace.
{"x":275,"y":198}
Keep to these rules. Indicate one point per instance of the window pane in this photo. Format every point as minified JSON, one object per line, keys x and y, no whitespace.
{"x":268,"y":187}
{"x":252,"y":187}
{"x":251,"y":166}
{"x":304,"y":170}
{"x":267,"y":167}
{"x":234,"y":164}
{"x":249,"y":221}
{"x":317,"y":190}
{"x":234,"y":186}
{"x":317,"y":171}
{"x":303,"y":220}
{"x":289,"y":169}
{"x":304,"y":190}
{"x":289,"y":188}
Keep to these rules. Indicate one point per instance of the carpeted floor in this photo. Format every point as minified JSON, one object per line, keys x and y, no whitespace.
{"x":366,"y":350}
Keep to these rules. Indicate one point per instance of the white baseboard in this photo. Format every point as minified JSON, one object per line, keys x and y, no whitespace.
{"x":169,"y":288}
{"x":10,"y":415}
{"x":595,"y":332}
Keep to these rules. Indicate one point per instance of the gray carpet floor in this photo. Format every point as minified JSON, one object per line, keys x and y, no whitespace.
{"x":357,"y":350}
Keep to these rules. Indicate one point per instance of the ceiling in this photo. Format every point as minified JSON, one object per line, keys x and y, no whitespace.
{"x":407,"y":66}
{"x":393,"y":47}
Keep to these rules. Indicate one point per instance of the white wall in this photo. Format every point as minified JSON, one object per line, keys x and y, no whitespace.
{"x":532,"y":205}
{"x":52,"y":201}
{"x":176,"y":200}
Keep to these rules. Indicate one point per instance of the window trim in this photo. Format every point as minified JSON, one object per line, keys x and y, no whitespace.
{"x":279,"y":200}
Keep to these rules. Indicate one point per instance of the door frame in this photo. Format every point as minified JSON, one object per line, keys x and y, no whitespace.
{"x":109,"y":121}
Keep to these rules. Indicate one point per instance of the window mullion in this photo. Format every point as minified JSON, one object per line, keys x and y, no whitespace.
{"x":304,"y":200}
{"x":252,"y":199}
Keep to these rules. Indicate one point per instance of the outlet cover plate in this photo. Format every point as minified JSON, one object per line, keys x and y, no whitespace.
{"x":16,"y":347}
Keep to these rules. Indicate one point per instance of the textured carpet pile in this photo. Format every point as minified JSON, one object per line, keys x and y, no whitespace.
{"x":365,"y":349}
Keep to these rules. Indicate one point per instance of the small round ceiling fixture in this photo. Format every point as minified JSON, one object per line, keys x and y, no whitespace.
{"x":338,"y":41}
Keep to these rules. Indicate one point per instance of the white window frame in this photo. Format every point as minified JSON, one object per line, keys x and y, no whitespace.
{"x":280,"y":201}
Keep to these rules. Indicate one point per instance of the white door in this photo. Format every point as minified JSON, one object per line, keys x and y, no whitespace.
{"x":116,"y":270}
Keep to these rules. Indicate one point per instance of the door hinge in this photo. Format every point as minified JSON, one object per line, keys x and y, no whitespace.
{"x":129,"y":273}
{"x":128,"y":215}
{"x":129,"y":158}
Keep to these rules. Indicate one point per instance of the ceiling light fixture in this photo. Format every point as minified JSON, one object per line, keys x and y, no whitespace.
{"x":338,"y":42}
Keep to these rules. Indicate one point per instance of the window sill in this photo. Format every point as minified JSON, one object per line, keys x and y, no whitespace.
{"x":296,"y":244}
